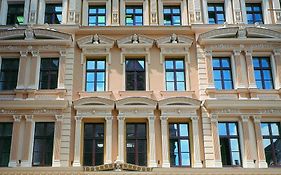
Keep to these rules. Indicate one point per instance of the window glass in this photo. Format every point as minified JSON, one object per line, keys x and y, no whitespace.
{"x":172,"y":15}
{"x":9,"y":73}
{"x":135,"y":74}
{"x":222,"y":73}
{"x":95,"y":75}
{"x":254,"y":13}
{"x":5,"y":143}
{"x":49,"y":70}
{"x":15,"y":14}
{"x":97,"y":16}
{"x":216,"y":13}
{"x":134,"y":15}
{"x":263,"y":72}
{"x":175,"y":74}
{"x":53,"y":13}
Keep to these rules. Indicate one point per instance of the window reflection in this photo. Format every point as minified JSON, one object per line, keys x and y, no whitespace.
{"x":175,"y":74}
{"x":97,"y":16}
{"x":216,"y":13}
{"x":172,"y":15}
{"x":5,"y":143}
{"x":222,"y":73}
{"x":95,"y":75}
{"x":53,"y":13}
{"x":263,"y":74}
{"x":134,"y":15}
{"x":135,"y":74}
{"x":15,"y":14}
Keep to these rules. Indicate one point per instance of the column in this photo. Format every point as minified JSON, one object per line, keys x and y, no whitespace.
{"x":3,"y":12}
{"x":15,"y":142}
{"x":250,"y":69}
{"x":248,"y":162}
{"x":28,"y":141}
{"x":23,"y":70}
{"x":57,"y":141}
{"x":152,"y":150}
{"x":153,"y":12}
{"x":165,"y":142}
{"x":115,"y":12}
{"x":121,"y":123}
{"x":241,"y":79}
{"x":277,"y":60}
{"x":122,"y":12}
{"x":77,"y":146}
{"x":61,"y":69}
{"x":41,"y":9}
{"x":108,"y":149}
{"x":261,"y":155}
{"x":216,"y":140}
{"x":209,"y":65}
{"x":228,"y":11}
{"x":196,"y":144}
{"x":64,"y":11}
{"x":160,"y":13}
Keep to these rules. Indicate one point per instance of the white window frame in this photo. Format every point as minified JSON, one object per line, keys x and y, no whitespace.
{"x":42,"y":9}
{"x":265,"y":12}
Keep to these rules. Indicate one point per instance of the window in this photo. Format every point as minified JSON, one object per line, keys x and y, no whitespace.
{"x":49,"y":70}
{"x":53,"y":13}
{"x":179,"y":144}
{"x":272,"y":143}
{"x":43,"y":144}
{"x":5,"y":143}
{"x":9,"y":73}
{"x":222,"y":73}
{"x":93,"y":144}
{"x":136,"y":144}
{"x":95,"y":75}
{"x":263,"y":74}
{"x":97,"y":16}
{"x":15,"y":14}
{"x":254,"y":13}
{"x":229,"y":144}
{"x":135,"y":74}
{"x":216,"y":13}
{"x":134,"y":15}
{"x":172,"y":15}
{"x":175,"y":75}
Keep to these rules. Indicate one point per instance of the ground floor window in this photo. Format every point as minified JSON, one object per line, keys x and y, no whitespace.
{"x":5,"y":143}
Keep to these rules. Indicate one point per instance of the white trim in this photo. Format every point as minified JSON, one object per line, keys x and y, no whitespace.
{"x":274,"y":72}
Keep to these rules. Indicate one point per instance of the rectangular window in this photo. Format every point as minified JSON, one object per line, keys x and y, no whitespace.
{"x":15,"y":14}
{"x":135,"y":74}
{"x":263,"y":74}
{"x":43,"y":144}
{"x":93,"y":144}
{"x":53,"y":13}
{"x":6,"y":130}
{"x":216,"y":13}
{"x":271,"y":133}
{"x":136,"y":144}
{"x":172,"y":15}
{"x":254,"y":13}
{"x":97,"y":16}
{"x":229,"y":144}
{"x":49,"y":71}
{"x":134,"y":16}
{"x":179,"y":144}
{"x":9,"y":73}
{"x":95,"y":75}
{"x":175,"y":75}
{"x":222,"y":73}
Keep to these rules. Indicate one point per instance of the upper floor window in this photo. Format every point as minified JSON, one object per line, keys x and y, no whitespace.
{"x":172,"y":15}
{"x":93,"y":144}
{"x":97,"y":15}
{"x":229,"y":144}
{"x":222,"y":73}
{"x":136,"y":144}
{"x":15,"y":14}
{"x":53,"y":13}
{"x":254,"y":13}
{"x":5,"y":143}
{"x":134,"y":15}
{"x":263,"y":74}
{"x":216,"y":13}
{"x":179,"y":144}
{"x":135,"y":74}
{"x":43,"y":144}
{"x":95,"y":75}
{"x":271,"y":133}
{"x":9,"y":73}
{"x":175,"y":75}
{"x":49,"y":70}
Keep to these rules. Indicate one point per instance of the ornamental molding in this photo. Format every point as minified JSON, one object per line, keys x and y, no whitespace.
{"x":216,"y":112}
{"x":94,"y":113}
{"x":135,"y":40}
{"x":93,"y":105}
{"x":136,"y":102}
{"x":95,"y":42}
{"x":31,"y":112}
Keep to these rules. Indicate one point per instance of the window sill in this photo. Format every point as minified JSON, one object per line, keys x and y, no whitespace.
{"x":125,"y":94}
{"x":102,"y":94}
{"x":169,"y":94}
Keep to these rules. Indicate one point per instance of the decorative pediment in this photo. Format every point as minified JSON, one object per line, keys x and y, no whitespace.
{"x":95,"y":41}
{"x":136,"y":101}
{"x":134,"y":40}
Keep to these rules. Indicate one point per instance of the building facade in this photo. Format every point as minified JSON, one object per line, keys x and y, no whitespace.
{"x":140,"y":87}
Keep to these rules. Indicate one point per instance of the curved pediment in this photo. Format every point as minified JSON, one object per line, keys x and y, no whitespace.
{"x":94,"y":41}
{"x":93,"y":102}
{"x":179,"y":101}
{"x":135,"y":40}
{"x":136,"y":102}
{"x":174,"y":40}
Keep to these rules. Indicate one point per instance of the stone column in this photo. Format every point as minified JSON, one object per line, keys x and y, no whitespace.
{"x":26,"y":11}
{"x":196,"y":144}
{"x":153,"y":12}
{"x":122,"y":12}
{"x":184,"y":14}
{"x":61,"y":77}
{"x":248,"y":162}
{"x":28,"y":141}
{"x":121,"y":144}
{"x":3,"y":12}
{"x":261,"y":155}
{"x":115,"y":13}
{"x":209,"y":65}
{"x":250,"y":69}
{"x":57,"y":141}
{"x":15,"y":145}
{"x":216,"y":140}
{"x":23,"y":70}
{"x":277,"y":59}
{"x":152,"y":149}
{"x":165,"y":142}
{"x":160,"y":13}
{"x":241,"y":79}
{"x":77,"y":146}
{"x":108,"y":149}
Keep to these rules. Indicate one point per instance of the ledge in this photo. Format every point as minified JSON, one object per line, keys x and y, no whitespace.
{"x":125,"y":94}
{"x":102,"y":94}
{"x":169,"y":94}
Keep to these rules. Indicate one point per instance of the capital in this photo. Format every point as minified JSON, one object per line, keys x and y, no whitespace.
{"x":249,"y":52}
{"x":245,"y":118}
{"x":17,"y":118}
{"x":29,"y":118}
{"x":277,"y":52}
{"x":257,"y":118}
{"x":78,"y":118}
{"x":108,"y":118}
{"x":23,"y":53}
{"x":163,"y":118}
{"x":120,"y":117}
{"x":59,"y":118}
{"x":236,"y":52}
{"x":214,"y":117}
{"x":151,"y":117}
{"x":194,"y":118}
{"x":208,"y":52}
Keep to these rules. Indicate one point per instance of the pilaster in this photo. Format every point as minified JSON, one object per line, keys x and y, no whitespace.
{"x":23,"y":70}
{"x":61,"y":77}
{"x":197,"y":12}
{"x":205,"y":11}
{"x":77,"y":146}
{"x":34,"y":77}
{"x":228,"y":11}
{"x":121,"y":123}
{"x":152,"y":149}
{"x":3,"y":12}
{"x":241,"y":79}
{"x":277,"y":13}
{"x":33,"y":11}
{"x":165,"y":142}
{"x":216,"y":140}
{"x":237,"y":11}
{"x":196,"y":144}
{"x":108,"y":151}
{"x":115,"y":13}
{"x":153,"y":12}
{"x":277,"y":60}
{"x":250,"y":69}
{"x":209,"y":65}
{"x":57,"y":141}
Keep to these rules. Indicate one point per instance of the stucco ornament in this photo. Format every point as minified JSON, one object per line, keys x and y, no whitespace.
{"x":96,"y":39}
{"x":242,"y":33}
{"x":29,"y":34}
{"x":135,"y":39}
{"x":174,"y":38}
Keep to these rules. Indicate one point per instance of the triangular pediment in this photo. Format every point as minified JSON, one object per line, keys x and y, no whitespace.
{"x":174,"y":40}
{"x":95,"y":41}
{"x":135,"y":40}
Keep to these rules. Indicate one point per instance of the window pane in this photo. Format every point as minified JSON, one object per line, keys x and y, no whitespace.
{"x":169,"y":64}
{"x":234,"y":144}
{"x":180,"y":76}
{"x":222,"y":128}
{"x":264,"y":129}
{"x":90,"y":87}
{"x":180,"y":86}
{"x":235,"y":158}
{"x":91,"y":77}
{"x":275,"y":129}
{"x":232,"y":129}
{"x":169,"y":76}
{"x":100,"y":76}
{"x":179,"y":65}
{"x":183,"y":129}
{"x":173,"y":130}
{"x":217,"y":74}
{"x":185,"y":158}
{"x":184,"y":146}
{"x":174,"y":146}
